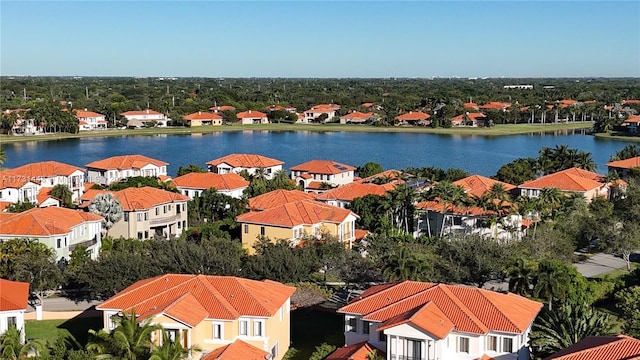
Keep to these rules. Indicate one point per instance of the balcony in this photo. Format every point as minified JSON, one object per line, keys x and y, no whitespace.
{"x":164,"y":220}
{"x":86,"y":244}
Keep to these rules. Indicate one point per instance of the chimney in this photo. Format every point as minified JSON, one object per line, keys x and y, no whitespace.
{"x":249,"y":111}
{"x":85,"y":109}
{"x":147,"y":111}
{"x":199,"y":112}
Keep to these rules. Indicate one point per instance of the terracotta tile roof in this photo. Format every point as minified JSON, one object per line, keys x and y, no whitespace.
{"x":140,"y":112}
{"x":351,"y":191}
{"x":631,"y":101}
{"x":477,"y":184}
{"x":633,"y":119}
{"x":573,"y":179}
{"x":4,"y":205}
{"x":222,"y":108}
{"x":390,"y":174}
{"x":125,"y":162}
{"x":315,"y":185}
{"x":13,"y":295}
{"x":246,"y":161}
{"x":202,"y":116}
{"x":471,"y":116}
{"x":441,"y":207}
{"x":325,"y":107}
{"x":470,"y":105}
{"x":43,"y":221}
{"x":413,"y":116}
{"x":358,"y":116}
{"x":237,"y":350}
{"x":323,"y":167}
{"x":87,"y":114}
{"x":133,"y":199}
{"x":296,"y":213}
{"x":44,"y":194}
{"x":46,"y":169}
{"x":276,"y":198}
{"x":620,"y":347}
{"x":251,"y":114}
{"x":367,"y":104}
{"x":190,"y":297}
{"x":625,"y":164}
{"x":358,"y":351}
{"x":495,"y":105}
{"x":230,"y":181}
{"x":428,"y":318}
{"x":10,"y":179}
{"x":567,"y":102}
{"x":469,"y":309}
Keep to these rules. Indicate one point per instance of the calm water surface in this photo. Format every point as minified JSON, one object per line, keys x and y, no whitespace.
{"x":475,"y":154}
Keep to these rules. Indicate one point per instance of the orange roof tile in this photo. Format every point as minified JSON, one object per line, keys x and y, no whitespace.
{"x":125,"y":162}
{"x":620,"y":347}
{"x":441,"y":207}
{"x":46,"y":169}
{"x":4,"y":205}
{"x":237,"y":350}
{"x":573,"y":179}
{"x":477,"y":184}
{"x":140,"y":112}
{"x":13,"y":295}
{"x":246,"y":161}
{"x":202,"y":116}
{"x":230,"y":181}
{"x":10,"y":179}
{"x":323,"y":167}
{"x":358,"y":116}
{"x":133,"y":199}
{"x":631,"y":101}
{"x":221,"y":297}
{"x":82,"y":114}
{"x":413,"y":116}
{"x":428,"y":318}
{"x":471,"y":116}
{"x":358,"y":351}
{"x":43,"y":221}
{"x":276,"y":198}
{"x":470,"y":105}
{"x":325,"y":107}
{"x":222,"y":108}
{"x":296,"y":213}
{"x":44,"y":194}
{"x":469,"y":309}
{"x":251,"y":114}
{"x":351,"y":191}
{"x":631,"y":163}
{"x":361,"y":234}
{"x":367,"y":104}
{"x":633,"y":119}
{"x":495,"y":105}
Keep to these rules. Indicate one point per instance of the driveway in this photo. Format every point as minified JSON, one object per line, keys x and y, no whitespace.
{"x":599,"y":264}
{"x":64,"y":304}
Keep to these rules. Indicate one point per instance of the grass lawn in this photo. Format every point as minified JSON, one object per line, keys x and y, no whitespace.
{"x":50,"y":330}
{"x":496,"y":130}
{"x":614,"y":274}
{"x":618,"y":136}
{"x":310,"y":328}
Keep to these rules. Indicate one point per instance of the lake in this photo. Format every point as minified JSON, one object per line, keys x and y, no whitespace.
{"x":476,"y":154}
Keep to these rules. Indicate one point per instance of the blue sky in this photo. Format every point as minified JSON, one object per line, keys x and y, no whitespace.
{"x":321,"y":39}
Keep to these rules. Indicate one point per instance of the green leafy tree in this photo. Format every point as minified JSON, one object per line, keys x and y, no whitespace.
{"x":63,"y":193}
{"x":405,"y":265}
{"x":141,"y":181}
{"x":517,"y":172}
{"x":552,"y":282}
{"x":20,"y":206}
{"x":191,"y":168}
{"x":3,"y":157}
{"x":322,"y":351}
{"x":628,"y":152}
{"x":628,"y":302}
{"x":521,"y":276}
{"x":368,"y":169}
{"x":171,"y":350}
{"x":130,"y":340}
{"x":12,"y":348}
{"x":366,"y":207}
{"x":109,"y":208}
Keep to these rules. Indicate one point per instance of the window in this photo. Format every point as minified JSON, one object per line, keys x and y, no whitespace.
{"x":414,"y":349}
{"x":217,"y":331}
{"x":164,"y":209}
{"x":492,"y":343}
{"x":382,"y":337}
{"x":243,"y":327}
{"x":172,"y":335}
{"x":139,"y":235}
{"x":146,"y":215}
{"x":179,"y":224}
{"x":126,"y":216}
{"x":12,"y":321}
{"x":246,"y":228}
{"x":274,"y":351}
{"x":184,"y":207}
{"x":157,"y":211}
{"x":261,"y":230}
{"x":59,"y":244}
{"x":507,"y":344}
{"x":257,"y":328}
{"x":463,"y":344}
{"x":365,"y":327}
{"x":139,"y":216}
{"x":352,"y":324}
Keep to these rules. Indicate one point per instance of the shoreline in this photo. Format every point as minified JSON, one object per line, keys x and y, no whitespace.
{"x":616,"y":137}
{"x":497,"y":130}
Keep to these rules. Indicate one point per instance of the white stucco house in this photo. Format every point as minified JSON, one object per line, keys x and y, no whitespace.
{"x":194,"y":184}
{"x":116,"y":168}
{"x":235,"y":163}
{"x":13,"y":304}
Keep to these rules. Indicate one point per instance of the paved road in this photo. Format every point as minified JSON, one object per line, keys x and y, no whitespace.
{"x":64,"y":304}
{"x":599,"y":264}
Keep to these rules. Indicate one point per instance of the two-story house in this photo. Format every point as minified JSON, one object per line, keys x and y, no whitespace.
{"x":145,"y":117}
{"x":49,"y":174}
{"x":623,"y":167}
{"x":320,"y":175}
{"x":15,"y":187}
{"x":250,"y":162}
{"x":252,"y":117}
{"x":296,"y":221}
{"x":89,"y":120}
{"x":357,"y":117}
{"x":116,"y":168}
{"x":619,"y":347}
{"x":573,"y":180}
{"x":215,"y":313}
{"x":414,"y":118}
{"x":312,"y":115}
{"x":276,"y":198}
{"x":61,"y":229}
{"x":194,"y":184}
{"x":203,"y":118}
{"x":13,"y":305}
{"x":415,"y":320}
{"x":342,"y":196}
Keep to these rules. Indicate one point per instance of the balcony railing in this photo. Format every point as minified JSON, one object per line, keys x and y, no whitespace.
{"x":86,"y":244}
{"x":164,"y":220}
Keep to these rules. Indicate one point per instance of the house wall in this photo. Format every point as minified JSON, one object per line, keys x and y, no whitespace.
{"x":193,"y":192}
{"x":107,"y":177}
{"x":19,"y":321}
{"x":251,"y":233}
{"x":141,"y":224}
{"x":28,"y":192}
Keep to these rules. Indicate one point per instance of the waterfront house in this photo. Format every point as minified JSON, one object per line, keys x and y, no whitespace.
{"x":357,"y":117}
{"x":342,"y":196}
{"x":476,"y":185}
{"x":276,"y":198}
{"x":60,"y":229}
{"x":13,"y":304}
{"x":203,"y":118}
{"x":573,"y":180}
{"x":215,"y":313}
{"x":632,"y":123}
{"x":414,"y":118}
{"x":416,"y":320}
{"x":250,"y":162}
{"x":296,"y":221}
{"x":89,"y":120}
{"x":320,"y":175}
{"x":252,"y":117}
{"x":43,"y":174}
{"x":619,"y":347}
{"x":17,"y":188}
{"x":146,"y":117}
{"x":473,"y":119}
{"x":116,"y":168}
{"x":312,"y":115}
{"x":623,"y":167}
{"x":194,"y":184}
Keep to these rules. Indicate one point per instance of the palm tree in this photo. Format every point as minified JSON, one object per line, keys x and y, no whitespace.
{"x":3,"y":157}
{"x":450,"y":195}
{"x":11,"y":347}
{"x":550,"y":200}
{"x":171,"y":350}
{"x":521,"y":276}
{"x":550,"y":282}
{"x":108,"y":207}
{"x":403,"y":265}
{"x":402,"y":200}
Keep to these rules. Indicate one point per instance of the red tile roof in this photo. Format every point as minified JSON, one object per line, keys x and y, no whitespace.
{"x":251,"y":114}
{"x":477,"y":184}
{"x":631,"y":101}
{"x":46,"y":169}
{"x":429,"y":318}
{"x":125,"y":162}
{"x":472,"y":116}
{"x":573,"y":179}
{"x":495,"y":105}
{"x":357,"y":116}
{"x":44,"y":194}
{"x":209,"y":180}
{"x":413,"y":116}
{"x":619,"y":347}
{"x":10,"y":179}
{"x":222,"y":108}
{"x":246,"y":161}
{"x":296,"y":213}
{"x":633,"y":119}
{"x":43,"y":221}
{"x":134,"y":199}
{"x":86,"y":114}
{"x":202,"y":116}
{"x":237,"y":350}
{"x":13,"y":295}
{"x":140,"y":112}
{"x":323,"y":167}
{"x":469,"y":309}
{"x":367,"y":104}
{"x":354,"y":190}
{"x":470,"y":105}
{"x":191,"y":298}
{"x":358,"y":351}
{"x":276,"y":198}
{"x":325,"y":107}
{"x":625,"y":164}
{"x":4,"y":205}
{"x":441,"y":207}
